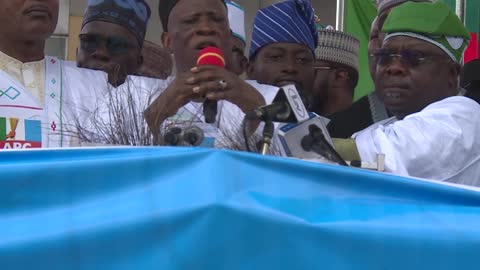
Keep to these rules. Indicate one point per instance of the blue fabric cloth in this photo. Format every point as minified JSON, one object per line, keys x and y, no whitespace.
{"x":291,"y":21}
{"x":176,"y":208}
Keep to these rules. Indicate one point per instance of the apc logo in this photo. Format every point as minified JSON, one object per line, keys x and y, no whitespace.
{"x":10,"y":93}
{"x":17,"y":133}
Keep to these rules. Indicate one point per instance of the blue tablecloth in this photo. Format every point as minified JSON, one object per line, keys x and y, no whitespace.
{"x":178,"y":208}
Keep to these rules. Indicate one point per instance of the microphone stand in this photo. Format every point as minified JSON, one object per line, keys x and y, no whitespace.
{"x":267,"y":136}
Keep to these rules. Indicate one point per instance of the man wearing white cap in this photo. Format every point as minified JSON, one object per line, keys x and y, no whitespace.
{"x":336,"y":71}
{"x":236,"y":18}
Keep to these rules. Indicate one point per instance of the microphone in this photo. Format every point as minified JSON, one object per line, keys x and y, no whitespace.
{"x":190,"y":136}
{"x":288,"y":106}
{"x":193,"y":136}
{"x":210,"y":56}
{"x":315,"y":141}
{"x":303,"y":141}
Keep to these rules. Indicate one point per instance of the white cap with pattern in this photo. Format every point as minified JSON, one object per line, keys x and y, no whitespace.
{"x":337,"y":47}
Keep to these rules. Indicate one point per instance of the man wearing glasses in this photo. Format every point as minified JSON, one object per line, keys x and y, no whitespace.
{"x":336,"y":71}
{"x":112,"y":37}
{"x":434,"y":133}
{"x":44,"y":101}
{"x":368,"y":109}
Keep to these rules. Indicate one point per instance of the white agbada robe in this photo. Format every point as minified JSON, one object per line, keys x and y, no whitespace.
{"x":77,"y":101}
{"x":93,"y":108}
{"x":31,"y":111}
{"x":441,"y":142}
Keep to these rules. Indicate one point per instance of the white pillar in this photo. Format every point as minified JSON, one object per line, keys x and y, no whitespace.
{"x":340,"y":15}
{"x":460,"y":9}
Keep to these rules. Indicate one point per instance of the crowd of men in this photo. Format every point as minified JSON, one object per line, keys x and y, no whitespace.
{"x":425,"y":121}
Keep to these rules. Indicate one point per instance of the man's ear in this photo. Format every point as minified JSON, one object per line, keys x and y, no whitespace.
{"x":250,"y":68}
{"x":453,"y":76}
{"x":341,"y":75}
{"x":244,"y":64}
{"x":167,"y":42}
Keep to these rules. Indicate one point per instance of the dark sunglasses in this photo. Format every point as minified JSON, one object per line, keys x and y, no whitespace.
{"x":115,"y":45}
{"x":385,"y":57}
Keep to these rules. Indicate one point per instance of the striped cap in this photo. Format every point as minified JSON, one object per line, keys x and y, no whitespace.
{"x":291,"y":21}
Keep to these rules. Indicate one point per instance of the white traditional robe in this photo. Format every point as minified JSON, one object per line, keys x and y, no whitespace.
{"x":441,"y":142}
{"x":98,"y":109}
{"x":72,"y":106}
{"x":31,"y":102}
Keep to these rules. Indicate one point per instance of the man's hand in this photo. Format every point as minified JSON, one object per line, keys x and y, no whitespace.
{"x":199,"y":84}
{"x":177,"y":94}
{"x":220,"y":84}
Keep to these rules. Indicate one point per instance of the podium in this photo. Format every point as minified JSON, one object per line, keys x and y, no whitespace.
{"x":184,"y":208}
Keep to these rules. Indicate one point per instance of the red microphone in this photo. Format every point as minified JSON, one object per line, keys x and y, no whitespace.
{"x":210,"y":56}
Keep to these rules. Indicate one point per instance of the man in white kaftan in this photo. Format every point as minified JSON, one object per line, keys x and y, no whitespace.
{"x":435,"y":133}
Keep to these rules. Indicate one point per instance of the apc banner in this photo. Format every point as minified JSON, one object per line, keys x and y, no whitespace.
{"x":17,"y":133}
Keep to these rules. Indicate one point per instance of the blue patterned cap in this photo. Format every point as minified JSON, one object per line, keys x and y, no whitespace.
{"x":290,"y":21}
{"x":131,"y":14}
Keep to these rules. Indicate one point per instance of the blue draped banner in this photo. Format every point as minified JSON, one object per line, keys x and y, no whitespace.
{"x":177,"y":208}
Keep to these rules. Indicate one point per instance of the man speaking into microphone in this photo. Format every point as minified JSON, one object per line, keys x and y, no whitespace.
{"x":189,"y":27}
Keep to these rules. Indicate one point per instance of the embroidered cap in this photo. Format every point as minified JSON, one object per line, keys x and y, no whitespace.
{"x":338,"y":47}
{"x":432,"y":22}
{"x":131,"y":14}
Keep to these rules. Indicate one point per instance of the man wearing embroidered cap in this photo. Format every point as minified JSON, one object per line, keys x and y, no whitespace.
{"x":283,"y":45}
{"x":368,"y":109}
{"x":434,"y":133}
{"x":112,"y":37}
{"x":236,"y":18}
{"x":336,"y":71}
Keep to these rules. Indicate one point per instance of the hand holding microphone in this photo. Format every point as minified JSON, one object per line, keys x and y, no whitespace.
{"x":211,"y":56}
{"x":211,"y":79}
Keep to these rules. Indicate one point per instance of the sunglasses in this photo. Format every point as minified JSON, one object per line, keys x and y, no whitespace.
{"x":114,"y":45}
{"x":385,"y":57}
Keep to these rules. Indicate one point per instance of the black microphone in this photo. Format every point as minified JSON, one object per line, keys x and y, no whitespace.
{"x":276,"y":112}
{"x":315,"y":141}
{"x":210,"y":110}
{"x":193,"y":136}
{"x":190,"y":136}
{"x":173,"y":136}
{"x":288,"y":107}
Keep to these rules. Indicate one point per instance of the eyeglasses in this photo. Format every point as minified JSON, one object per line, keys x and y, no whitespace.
{"x":411,"y":58}
{"x":322,"y":68}
{"x":115,"y":45}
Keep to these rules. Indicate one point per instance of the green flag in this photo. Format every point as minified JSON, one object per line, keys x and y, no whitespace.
{"x":358,"y":19}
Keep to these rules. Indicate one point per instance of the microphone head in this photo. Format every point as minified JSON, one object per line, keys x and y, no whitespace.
{"x":211,"y":56}
{"x":172,"y":137}
{"x":193,"y":136}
